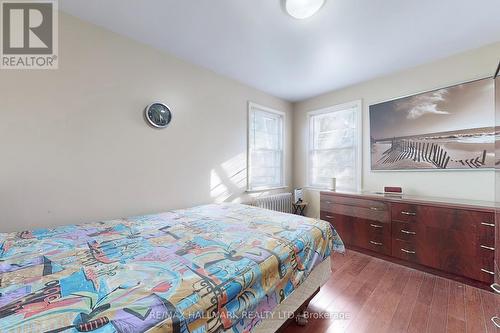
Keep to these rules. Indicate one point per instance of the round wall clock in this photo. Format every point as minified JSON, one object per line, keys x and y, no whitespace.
{"x":158,"y":115}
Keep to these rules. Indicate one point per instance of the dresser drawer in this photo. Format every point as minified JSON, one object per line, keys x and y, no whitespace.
{"x":359,"y":232}
{"x":372,"y":235}
{"x":462,"y":255}
{"x":379,"y":245}
{"x":439,"y":217}
{"x":365,"y":209}
{"x":377,"y":228}
{"x":404,"y":231}
{"x":361,"y":203}
{"x":404,"y":250}
{"x":487,"y":233}
{"x":342,"y":224}
{"x":448,"y":237}
{"x":487,"y":258}
{"x":404,"y":212}
{"x":485,"y":271}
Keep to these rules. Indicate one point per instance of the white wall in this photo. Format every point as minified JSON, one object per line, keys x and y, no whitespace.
{"x":476,"y":185}
{"x":74,"y":146}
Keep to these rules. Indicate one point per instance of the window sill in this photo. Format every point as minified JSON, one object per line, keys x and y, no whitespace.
{"x":318,"y":189}
{"x":263,"y":189}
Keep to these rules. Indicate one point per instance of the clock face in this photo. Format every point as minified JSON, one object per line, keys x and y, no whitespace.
{"x":158,"y":115}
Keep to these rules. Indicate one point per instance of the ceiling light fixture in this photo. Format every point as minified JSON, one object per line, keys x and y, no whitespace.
{"x":302,"y":9}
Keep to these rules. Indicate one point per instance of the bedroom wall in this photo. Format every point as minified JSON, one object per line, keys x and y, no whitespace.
{"x":477,"y":185}
{"x":74,"y":145}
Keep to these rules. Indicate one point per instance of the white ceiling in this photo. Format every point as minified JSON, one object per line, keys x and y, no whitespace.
{"x":254,"y":42}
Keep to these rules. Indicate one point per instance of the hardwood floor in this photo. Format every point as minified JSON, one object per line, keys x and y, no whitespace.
{"x":367,"y":294}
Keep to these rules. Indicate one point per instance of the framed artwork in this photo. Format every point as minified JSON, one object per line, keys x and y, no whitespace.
{"x":445,"y":129}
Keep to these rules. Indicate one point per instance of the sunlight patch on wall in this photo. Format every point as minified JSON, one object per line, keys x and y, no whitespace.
{"x":217,"y":188}
{"x":229,"y":179}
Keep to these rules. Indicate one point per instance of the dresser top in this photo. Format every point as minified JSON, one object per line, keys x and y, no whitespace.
{"x":415,"y":199}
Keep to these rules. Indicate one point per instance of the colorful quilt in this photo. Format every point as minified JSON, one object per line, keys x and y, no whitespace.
{"x":204,"y":269}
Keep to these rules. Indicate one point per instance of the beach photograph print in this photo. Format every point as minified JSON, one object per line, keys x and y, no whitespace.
{"x":445,"y":129}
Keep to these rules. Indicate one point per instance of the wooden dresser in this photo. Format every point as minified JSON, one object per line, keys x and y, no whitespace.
{"x":452,"y":238}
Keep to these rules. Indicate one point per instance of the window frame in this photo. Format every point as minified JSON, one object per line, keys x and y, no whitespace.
{"x":358,"y":106}
{"x":251,"y":107}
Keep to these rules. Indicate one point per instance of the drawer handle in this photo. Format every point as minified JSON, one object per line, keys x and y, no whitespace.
{"x":376,"y":243}
{"x":488,"y":224}
{"x":487,"y":247}
{"x":496,"y":321}
{"x":376,"y":209}
{"x":408,"y":251}
{"x":329,"y":216}
{"x":376,"y":226}
{"x":408,"y":213}
{"x":496,"y":287}
{"x":487,"y":271}
{"x":408,"y":232}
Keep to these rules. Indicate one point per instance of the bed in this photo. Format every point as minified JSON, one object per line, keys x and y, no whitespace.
{"x":212,"y":268}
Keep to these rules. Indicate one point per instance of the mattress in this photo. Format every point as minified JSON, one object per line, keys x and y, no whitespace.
{"x":206,"y":269}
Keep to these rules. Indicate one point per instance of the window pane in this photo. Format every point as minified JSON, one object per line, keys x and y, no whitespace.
{"x":336,"y":120}
{"x":327,"y":164}
{"x":339,"y":138}
{"x":265,"y":159}
{"x":265,"y":149}
{"x":266,"y":168}
{"x":334,"y":130}
{"x":266,"y":130}
{"x":333,"y":150}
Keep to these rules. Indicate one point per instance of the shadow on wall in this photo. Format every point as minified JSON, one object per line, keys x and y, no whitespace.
{"x":228,"y":182}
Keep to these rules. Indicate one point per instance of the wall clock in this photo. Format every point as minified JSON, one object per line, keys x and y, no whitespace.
{"x":158,"y":115}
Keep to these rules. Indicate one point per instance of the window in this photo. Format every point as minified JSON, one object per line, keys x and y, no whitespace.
{"x":335,"y":147}
{"x":265,"y":148}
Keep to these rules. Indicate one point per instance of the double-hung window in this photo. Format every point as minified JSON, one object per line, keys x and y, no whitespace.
{"x":335,"y":147}
{"x":265,"y":148}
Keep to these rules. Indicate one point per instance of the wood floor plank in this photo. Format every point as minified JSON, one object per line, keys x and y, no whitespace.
{"x":491,"y":307}
{"x":367,"y":315}
{"x":455,"y":321}
{"x":340,"y":259}
{"x":355,"y":295}
{"x":439,"y":307}
{"x":340,"y":280}
{"x":380,"y":296}
{"x":420,"y":314}
{"x":393,"y":297}
{"x":401,"y":317}
{"x":357,"y":266}
{"x":454,"y":325}
{"x":474,"y":321}
{"x":344,"y":295}
{"x":355,"y":283}
{"x":342,"y":276}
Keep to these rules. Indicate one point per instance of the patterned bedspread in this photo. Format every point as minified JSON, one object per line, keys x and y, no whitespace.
{"x":205,"y":269}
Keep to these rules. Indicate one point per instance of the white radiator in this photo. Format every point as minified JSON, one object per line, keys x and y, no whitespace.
{"x":279,"y":202}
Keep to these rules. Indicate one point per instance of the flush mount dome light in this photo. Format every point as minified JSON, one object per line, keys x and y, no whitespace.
{"x":302,"y":9}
